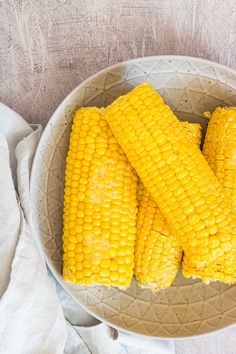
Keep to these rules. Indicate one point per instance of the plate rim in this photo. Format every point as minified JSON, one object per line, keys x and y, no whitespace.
{"x":33,"y":174}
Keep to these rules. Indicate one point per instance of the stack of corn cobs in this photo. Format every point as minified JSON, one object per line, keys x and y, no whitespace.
{"x":141,"y":198}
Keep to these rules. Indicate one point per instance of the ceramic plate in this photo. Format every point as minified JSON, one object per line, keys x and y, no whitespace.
{"x":190,"y":86}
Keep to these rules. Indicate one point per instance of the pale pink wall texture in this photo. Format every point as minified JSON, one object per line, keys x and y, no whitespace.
{"x":50,"y":46}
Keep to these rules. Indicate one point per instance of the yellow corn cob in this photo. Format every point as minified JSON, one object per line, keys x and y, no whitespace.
{"x":100,"y":206}
{"x":219,"y":149}
{"x":220,"y":152}
{"x":174,"y":172}
{"x":157,"y":251}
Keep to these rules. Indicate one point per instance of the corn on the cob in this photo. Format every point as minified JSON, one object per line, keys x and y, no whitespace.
{"x":100,"y":206}
{"x":219,"y":149}
{"x":220,"y":152}
{"x":174,"y":172}
{"x":157,"y":251}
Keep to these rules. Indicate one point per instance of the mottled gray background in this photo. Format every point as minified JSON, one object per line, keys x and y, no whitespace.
{"x":49,"y":46}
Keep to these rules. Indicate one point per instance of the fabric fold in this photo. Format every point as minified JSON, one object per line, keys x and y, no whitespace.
{"x":9,"y":216}
{"x":29,"y":310}
{"x":31,"y":317}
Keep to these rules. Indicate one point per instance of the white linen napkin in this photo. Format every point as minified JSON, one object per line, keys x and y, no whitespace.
{"x":31,"y":316}
{"x":10,"y":226}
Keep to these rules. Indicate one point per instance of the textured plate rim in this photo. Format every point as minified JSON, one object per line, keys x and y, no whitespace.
{"x":53,"y":119}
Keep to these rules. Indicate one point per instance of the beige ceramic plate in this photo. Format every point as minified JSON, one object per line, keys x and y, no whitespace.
{"x":190,"y":86}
